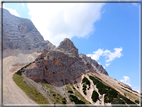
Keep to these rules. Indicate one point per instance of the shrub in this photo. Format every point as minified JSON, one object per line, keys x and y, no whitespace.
{"x":64,"y":101}
{"x":84,"y":89}
{"x":54,"y":94}
{"x":70,"y":91}
{"x":101,"y":87}
{"x":137,"y":101}
{"x":76,"y":100}
{"x":95,"y":96}
{"x":86,"y":81}
{"x":19,"y":72}
{"x":45,"y":81}
{"x":41,"y":58}
{"x":126,"y":99}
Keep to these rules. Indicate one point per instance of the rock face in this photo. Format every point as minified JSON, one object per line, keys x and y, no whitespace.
{"x":57,"y":65}
{"x":61,"y":64}
{"x":125,"y":85}
{"x":67,"y":47}
{"x":93,"y":63}
{"x":20,"y":33}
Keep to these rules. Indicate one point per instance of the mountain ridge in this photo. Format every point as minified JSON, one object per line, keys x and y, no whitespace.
{"x":93,"y":63}
{"x":59,"y":69}
{"x":20,"y":33}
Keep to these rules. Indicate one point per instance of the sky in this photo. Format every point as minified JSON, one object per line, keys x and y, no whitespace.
{"x":106,"y":32}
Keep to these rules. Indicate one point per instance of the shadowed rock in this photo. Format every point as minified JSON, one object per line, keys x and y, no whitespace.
{"x":20,"y":33}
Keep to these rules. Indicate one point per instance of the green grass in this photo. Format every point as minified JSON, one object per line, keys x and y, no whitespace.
{"x":68,"y":87}
{"x":95,"y":96}
{"x":48,"y":85}
{"x":30,"y":91}
{"x":54,"y":96}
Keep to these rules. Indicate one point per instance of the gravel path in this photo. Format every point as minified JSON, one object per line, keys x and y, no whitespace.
{"x":12,"y":94}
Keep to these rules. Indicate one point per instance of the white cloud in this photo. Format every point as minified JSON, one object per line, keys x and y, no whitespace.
{"x":56,"y":21}
{"x":107,"y":64}
{"x":110,"y":56}
{"x":126,"y":80}
{"x":12,"y":11}
{"x":96,"y":54}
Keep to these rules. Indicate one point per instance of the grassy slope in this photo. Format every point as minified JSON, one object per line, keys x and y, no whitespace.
{"x":29,"y":90}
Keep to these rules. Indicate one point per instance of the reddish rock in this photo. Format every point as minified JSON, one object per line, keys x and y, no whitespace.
{"x":59,"y":66}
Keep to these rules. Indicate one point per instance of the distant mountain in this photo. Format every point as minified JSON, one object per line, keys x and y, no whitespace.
{"x":21,"y":34}
{"x":62,"y":76}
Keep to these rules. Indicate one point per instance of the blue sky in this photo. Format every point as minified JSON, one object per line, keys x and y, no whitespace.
{"x":107,"y":32}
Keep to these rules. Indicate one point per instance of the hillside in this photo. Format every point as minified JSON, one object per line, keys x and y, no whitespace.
{"x":12,"y":94}
{"x":60,"y":76}
{"x":21,"y":36}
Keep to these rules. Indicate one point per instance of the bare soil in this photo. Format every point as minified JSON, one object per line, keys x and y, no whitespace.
{"x":12,"y":94}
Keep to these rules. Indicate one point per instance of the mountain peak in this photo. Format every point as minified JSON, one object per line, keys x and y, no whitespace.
{"x":66,"y":44}
{"x":67,"y":39}
{"x":68,"y":47}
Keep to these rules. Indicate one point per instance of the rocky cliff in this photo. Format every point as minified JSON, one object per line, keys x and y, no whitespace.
{"x":93,"y":63}
{"x":20,"y":33}
{"x":61,"y":64}
{"x":125,"y":85}
{"x":67,"y":47}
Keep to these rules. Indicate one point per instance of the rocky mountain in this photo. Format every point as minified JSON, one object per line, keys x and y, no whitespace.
{"x":60,"y":65}
{"x":20,"y":33}
{"x":59,"y":75}
{"x":67,"y":47}
{"x":62,"y":76}
{"x":125,"y":85}
{"x":95,"y":64}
